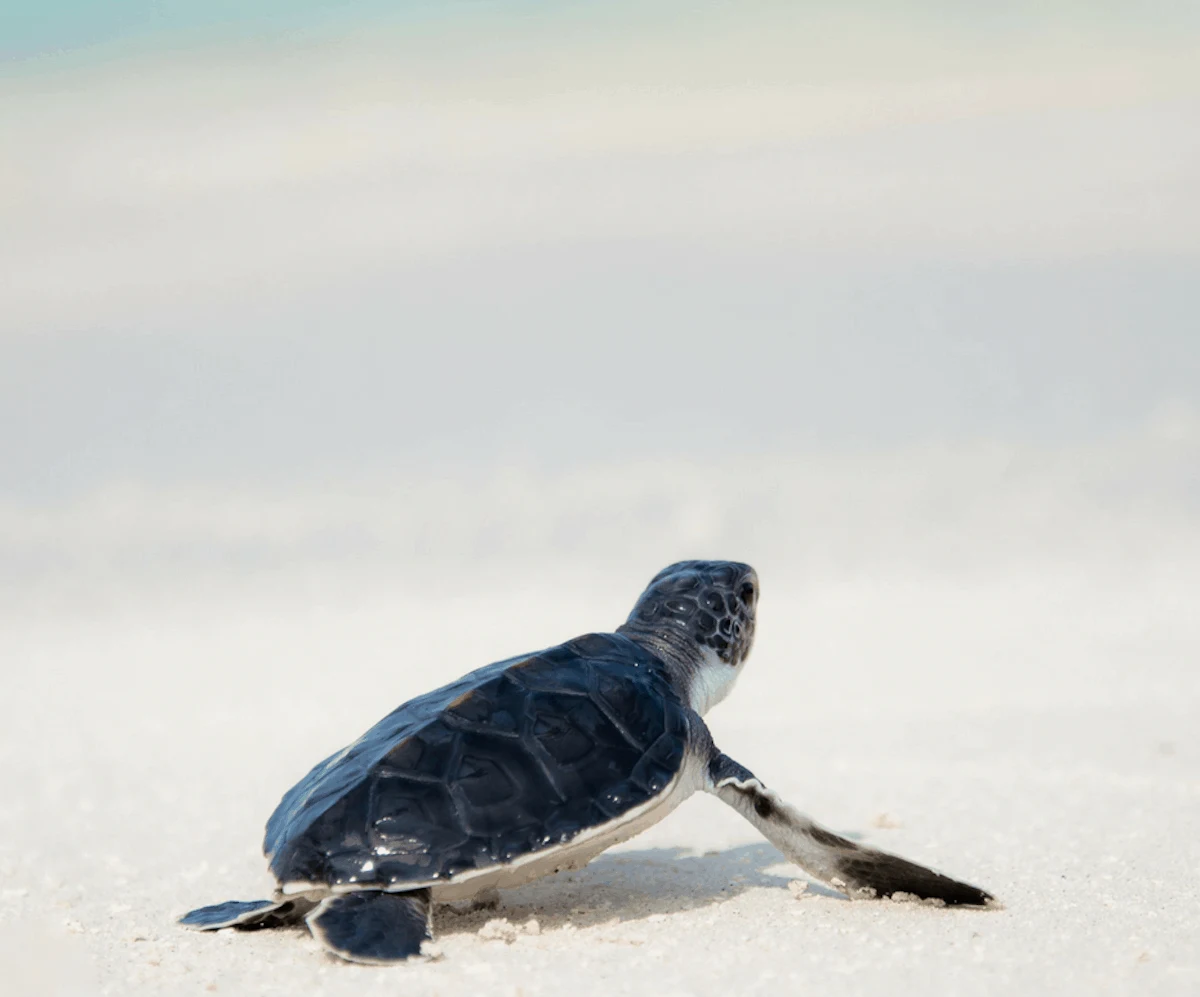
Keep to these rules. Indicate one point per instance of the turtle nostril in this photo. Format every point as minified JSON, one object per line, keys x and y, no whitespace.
{"x":747,"y":594}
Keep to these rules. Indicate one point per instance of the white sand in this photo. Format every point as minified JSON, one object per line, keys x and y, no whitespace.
{"x":687,"y":235}
{"x":1003,"y":684}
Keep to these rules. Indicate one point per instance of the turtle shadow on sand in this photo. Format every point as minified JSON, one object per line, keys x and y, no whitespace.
{"x":630,"y":886}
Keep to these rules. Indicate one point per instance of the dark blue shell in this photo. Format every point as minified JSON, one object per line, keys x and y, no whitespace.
{"x":513,"y":758}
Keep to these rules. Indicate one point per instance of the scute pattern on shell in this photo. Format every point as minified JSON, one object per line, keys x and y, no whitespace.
{"x":513,"y":758}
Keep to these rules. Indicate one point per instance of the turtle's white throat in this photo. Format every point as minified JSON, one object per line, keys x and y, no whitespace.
{"x":711,"y":682}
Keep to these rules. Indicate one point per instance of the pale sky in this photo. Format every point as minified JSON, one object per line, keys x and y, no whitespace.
{"x":232,"y":250}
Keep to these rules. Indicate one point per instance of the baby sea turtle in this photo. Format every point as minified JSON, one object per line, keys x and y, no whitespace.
{"x":537,"y":764}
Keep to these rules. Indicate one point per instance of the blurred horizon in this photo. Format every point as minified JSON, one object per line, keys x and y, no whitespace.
{"x":59,"y":26}
{"x":345,"y":348}
{"x":415,"y":279}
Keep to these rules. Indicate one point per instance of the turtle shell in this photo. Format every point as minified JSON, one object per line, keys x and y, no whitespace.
{"x":514,"y":758}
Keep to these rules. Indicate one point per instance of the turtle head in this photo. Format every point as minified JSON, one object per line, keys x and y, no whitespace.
{"x":699,"y":617}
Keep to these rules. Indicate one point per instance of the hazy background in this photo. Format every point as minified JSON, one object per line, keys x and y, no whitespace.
{"x":414,"y":285}
{"x":345,"y":349}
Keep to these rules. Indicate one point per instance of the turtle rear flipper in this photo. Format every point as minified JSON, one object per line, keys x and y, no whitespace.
{"x":372,"y":926}
{"x":248,"y":915}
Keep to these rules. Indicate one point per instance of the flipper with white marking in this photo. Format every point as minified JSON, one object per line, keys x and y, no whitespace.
{"x":373,"y":926}
{"x":857,"y":871}
{"x":249,"y":915}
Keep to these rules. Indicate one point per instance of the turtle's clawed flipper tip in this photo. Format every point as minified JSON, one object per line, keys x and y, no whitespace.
{"x":374,"y":927}
{"x":869,"y":873}
{"x":247,"y":914}
{"x":858,"y":871}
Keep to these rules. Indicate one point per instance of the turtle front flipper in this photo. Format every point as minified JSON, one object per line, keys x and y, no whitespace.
{"x":372,"y":926}
{"x":857,"y":871}
{"x":249,"y":915}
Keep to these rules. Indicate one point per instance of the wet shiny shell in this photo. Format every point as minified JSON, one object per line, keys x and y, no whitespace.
{"x":515,"y":758}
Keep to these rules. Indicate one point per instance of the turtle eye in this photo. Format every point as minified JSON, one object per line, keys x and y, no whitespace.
{"x":747,"y":594}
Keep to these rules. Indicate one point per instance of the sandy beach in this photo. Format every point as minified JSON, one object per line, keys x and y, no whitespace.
{"x":963,"y":690}
{"x":346,"y":349}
